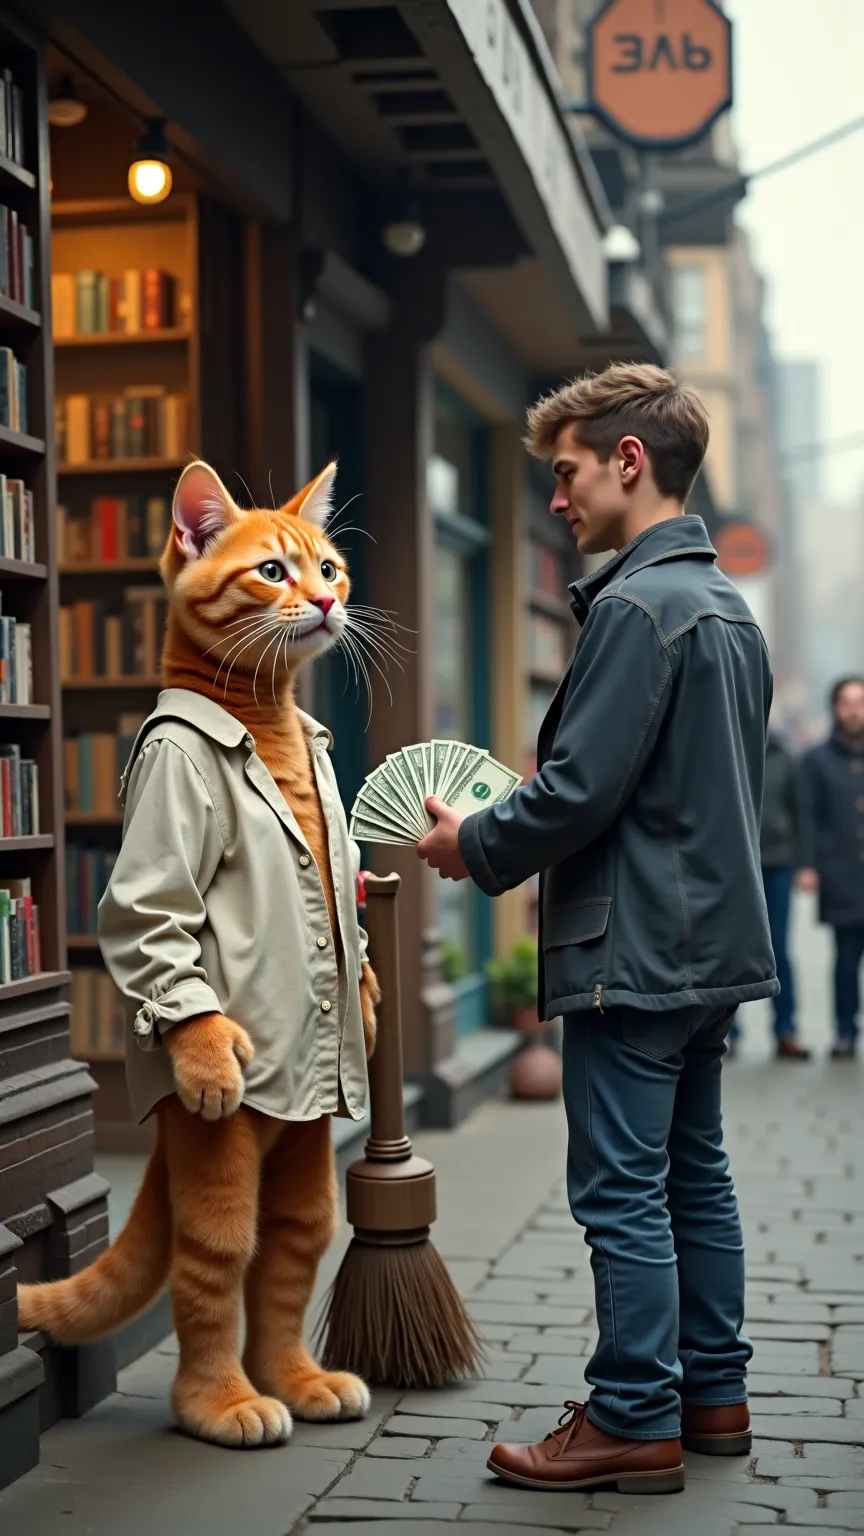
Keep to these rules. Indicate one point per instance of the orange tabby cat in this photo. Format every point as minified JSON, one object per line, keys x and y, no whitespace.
{"x":242,"y":1206}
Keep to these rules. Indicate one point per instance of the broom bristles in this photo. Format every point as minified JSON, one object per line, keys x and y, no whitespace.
{"x":394,"y":1316}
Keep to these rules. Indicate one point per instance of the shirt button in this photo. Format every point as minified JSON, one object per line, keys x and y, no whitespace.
{"x":304,"y":860}
{"x":321,"y":942}
{"x":325,"y":1006}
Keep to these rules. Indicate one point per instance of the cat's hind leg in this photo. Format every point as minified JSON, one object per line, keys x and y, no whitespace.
{"x":214,"y":1171}
{"x":297,"y":1220}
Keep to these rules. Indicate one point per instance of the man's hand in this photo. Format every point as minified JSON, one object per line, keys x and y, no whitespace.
{"x":440,"y":847}
{"x":807,"y":880}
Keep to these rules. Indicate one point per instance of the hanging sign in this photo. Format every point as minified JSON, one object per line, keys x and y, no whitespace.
{"x":659,"y":71}
{"x":742,"y":548}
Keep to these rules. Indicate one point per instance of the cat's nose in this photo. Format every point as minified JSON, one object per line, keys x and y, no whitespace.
{"x":324,"y":602}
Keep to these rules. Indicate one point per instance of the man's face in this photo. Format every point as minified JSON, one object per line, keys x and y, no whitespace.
{"x":849,"y":709}
{"x":588,"y":493}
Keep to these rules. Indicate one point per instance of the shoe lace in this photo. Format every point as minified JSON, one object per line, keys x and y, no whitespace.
{"x":569,"y":1425}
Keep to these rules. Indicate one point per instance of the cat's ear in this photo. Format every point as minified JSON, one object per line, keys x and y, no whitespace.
{"x":316,"y":505}
{"x":202,"y":509}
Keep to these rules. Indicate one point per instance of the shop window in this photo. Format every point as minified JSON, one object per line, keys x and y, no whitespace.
{"x":457,"y":487}
{"x":690,"y":311}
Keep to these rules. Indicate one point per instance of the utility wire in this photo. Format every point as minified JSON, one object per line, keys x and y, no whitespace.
{"x":739,"y":186}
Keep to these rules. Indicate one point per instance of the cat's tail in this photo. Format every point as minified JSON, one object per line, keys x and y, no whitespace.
{"x":121,"y":1282}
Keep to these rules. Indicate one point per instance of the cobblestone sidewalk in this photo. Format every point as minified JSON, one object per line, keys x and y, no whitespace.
{"x":417,"y":1465}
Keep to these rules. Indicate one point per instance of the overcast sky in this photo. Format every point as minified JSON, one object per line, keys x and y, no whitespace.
{"x":800,"y":73}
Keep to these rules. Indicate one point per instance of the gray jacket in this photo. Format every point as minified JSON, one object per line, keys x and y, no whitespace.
{"x":643,"y":817}
{"x":783,"y":837}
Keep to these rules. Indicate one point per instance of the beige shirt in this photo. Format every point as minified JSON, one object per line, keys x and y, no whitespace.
{"x":215,"y":904}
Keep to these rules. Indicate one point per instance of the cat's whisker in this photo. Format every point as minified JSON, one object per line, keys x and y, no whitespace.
{"x":379,"y":615}
{"x":245,"y":486}
{"x":359,"y":661}
{"x":272,"y":492}
{"x":384,"y":642}
{"x":359,"y":642}
{"x":351,"y":528}
{"x":235,"y":624}
{"x":344,"y":507}
{"x":241,"y":648}
{"x":277,"y":640}
{"x":373,"y":645}
{"x":259,"y":632}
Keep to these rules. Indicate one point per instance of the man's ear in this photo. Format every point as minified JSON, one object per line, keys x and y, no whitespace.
{"x":316,"y":505}
{"x":202,"y":509}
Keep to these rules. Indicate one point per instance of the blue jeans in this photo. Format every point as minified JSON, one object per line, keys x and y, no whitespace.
{"x":648,"y":1179}
{"x":778,"y":899}
{"x":849,"y":951}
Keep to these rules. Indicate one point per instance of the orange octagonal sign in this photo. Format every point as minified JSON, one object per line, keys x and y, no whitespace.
{"x":660,"y":71}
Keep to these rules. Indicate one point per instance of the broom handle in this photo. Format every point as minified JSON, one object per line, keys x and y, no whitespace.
{"x":387,"y":1142}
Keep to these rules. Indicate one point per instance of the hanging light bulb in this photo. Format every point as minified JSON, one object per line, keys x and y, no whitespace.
{"x":64,"y":109}
{"x":150,"y":178}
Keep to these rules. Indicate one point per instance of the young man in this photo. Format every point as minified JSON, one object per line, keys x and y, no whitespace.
{"x":835,"y":781}
{"x":643,"y":820}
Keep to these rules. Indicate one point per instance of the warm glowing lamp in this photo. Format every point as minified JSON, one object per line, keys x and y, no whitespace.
{"x":150,"y":178}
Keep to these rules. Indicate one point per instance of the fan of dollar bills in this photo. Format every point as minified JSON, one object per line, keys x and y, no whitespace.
{"x":390,"y":807}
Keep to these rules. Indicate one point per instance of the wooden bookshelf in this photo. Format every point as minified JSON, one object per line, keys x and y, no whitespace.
{"x":47,"y":1184}
{"x":111,"y":236}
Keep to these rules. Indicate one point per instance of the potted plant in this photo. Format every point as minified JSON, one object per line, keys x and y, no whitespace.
{"x":514,"y":983}
{"x":453,"y":963}
{"x":536,"y":1071}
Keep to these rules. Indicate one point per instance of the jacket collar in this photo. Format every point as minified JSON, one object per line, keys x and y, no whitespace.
{"x":212,"y":720}
{"x":677,"y":536}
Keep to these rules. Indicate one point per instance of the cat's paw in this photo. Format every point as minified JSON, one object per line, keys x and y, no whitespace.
{"x":243,"y":1424}
{"x":328,"y":1395}
{"x":208,"y":1055}
{"x":370,"y":997}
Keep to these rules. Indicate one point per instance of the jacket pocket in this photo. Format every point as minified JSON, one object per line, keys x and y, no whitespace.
{"x":576,"y":922}
{"x":575,"y":951}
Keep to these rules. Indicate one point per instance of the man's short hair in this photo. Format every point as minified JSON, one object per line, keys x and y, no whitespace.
{"x":844,"y":682}
{"x":628,"y":400}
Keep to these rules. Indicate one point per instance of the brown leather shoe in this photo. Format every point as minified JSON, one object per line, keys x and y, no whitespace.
{"x":716,"y":1431}
{"x":579,"y":1455}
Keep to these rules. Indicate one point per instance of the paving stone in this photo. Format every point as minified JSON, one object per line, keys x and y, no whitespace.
{"x":826,"y":1519}
{"x":819,"y":1333}
{"x":849,"y":1499}
{"x":379,"y":1509}
{"x":786,"y":1359}
{"x":805,"y":1407}
{"x":530,"y":1312}
{"x":791,"y":1311}
{"x":815,"y":1386}
{"x":584,"y":1520}
{"x":768,"y":1495}
{"x":405,"y":1526}
{"x":818,"y":1461}
{"x":740,"y":1513}
{"x":394,"y":1446}
{"x":834,"y":1431}
{"x":453,"y":1405}
{"x":413,"y":1424}
{"x":378,"y":1479}
{"x":855,"y":1409}
{"x":560,"y":1508}
{"x":563,"y":1368}
{"x":505,"y":1368}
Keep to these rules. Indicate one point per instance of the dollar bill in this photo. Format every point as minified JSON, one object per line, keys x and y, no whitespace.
{"x":365,"y":830}
{"x":480,"y":783}
{"x":386,"y":790}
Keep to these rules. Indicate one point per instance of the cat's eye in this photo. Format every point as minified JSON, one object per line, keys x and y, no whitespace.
{"x":271,"y":570}
{"x":328,"y":570}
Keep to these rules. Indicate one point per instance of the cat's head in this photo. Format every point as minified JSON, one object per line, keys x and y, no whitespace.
{"x":263,"y":585}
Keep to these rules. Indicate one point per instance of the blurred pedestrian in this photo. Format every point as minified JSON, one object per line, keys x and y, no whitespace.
{"x":834,"y":776}
{"x":782,"y":843}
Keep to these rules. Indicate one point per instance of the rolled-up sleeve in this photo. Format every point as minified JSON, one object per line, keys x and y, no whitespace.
{"x":153,"y":908}
{"x":616,"y":700}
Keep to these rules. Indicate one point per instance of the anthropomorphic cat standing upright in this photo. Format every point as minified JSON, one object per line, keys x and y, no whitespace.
{"x":230,"y":926}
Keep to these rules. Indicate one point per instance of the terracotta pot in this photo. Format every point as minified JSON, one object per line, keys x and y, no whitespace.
{"x":536,"y":1073}
{"x":526,"y":1019}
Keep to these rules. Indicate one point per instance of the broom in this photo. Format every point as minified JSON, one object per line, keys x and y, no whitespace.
{"x":393,"y":1314}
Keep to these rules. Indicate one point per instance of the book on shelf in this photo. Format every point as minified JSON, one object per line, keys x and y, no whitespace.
{"x":142,"y":423}
{"x":93,"y":763}
{"x":17,"y":260}
{"x":16,"y":661}
{"x":114,"y":528}
{"x":17,"y":523}
{"x":19,"y":793}
{"x":98,"y":639}
{"x":11,"y":118}
{"x":98,"y":1023}
{"x":88,"y":871}
{"x":20,"y":949}
{"x":94,"y":303}
{"x":13,"y":391}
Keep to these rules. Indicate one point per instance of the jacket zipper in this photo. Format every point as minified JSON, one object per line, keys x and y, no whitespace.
{"x":598,"y":997}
